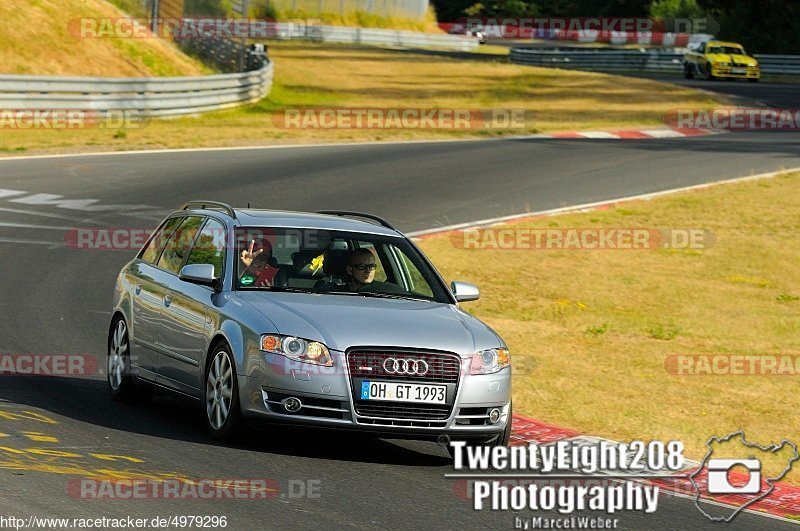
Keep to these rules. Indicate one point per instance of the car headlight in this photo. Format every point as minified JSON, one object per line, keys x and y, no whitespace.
{"x":297,"y":349}
{"x":490,"y":361}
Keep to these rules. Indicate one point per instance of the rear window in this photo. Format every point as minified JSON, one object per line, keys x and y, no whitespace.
{"x":179,"y":244}
{"x":153,"y":249}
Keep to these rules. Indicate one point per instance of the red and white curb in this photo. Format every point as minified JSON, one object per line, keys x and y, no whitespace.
{"x":783,"y":502}
{"x":625,"y":134}
{"x":629,"y":134}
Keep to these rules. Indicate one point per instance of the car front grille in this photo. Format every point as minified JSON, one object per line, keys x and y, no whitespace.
{"x":369,"y":365}
{"x":442,"y":368}
{"x":397,"y":410}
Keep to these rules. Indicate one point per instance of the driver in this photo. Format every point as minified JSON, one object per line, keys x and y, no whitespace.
{"x":360,"y":268}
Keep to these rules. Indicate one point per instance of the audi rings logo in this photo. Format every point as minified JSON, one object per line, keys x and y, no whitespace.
{"x":406,"y":367}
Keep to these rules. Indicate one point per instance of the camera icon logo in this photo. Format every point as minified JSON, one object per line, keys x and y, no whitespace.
{"x":718,"y":476}
{"x":749,"y":487}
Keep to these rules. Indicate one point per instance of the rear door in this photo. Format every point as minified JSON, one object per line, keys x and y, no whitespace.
{"x":149,"y":285}
{"x":189,"y":315}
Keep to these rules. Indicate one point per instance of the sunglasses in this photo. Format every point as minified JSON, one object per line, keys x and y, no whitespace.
{"x":364,"y":267}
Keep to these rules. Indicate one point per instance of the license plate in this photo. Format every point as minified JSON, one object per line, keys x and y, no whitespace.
{"x":738,"y":70}
{"x":403,"y":392}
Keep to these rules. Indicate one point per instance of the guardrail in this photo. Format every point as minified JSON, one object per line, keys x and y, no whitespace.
{"x":635,"y":60}
{"x":779,"y":64}
{"x":144,"y":97}
{"x":387,"y":37}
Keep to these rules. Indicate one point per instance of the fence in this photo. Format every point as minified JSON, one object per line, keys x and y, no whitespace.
{"x":635,"y":60}
{"x":224,"y":54}
{"x":145,"y":97}
{"x":289,"y":30}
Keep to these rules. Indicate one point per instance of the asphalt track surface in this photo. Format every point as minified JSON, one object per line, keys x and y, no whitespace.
{"x":54,"y":299}
{"x":764,"y":93}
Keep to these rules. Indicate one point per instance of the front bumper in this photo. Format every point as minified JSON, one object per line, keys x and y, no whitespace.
{"x":749,"y":72}
{"x":327,"y":397}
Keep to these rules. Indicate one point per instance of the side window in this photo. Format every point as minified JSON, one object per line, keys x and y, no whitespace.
{"x":162,"y":234}
{"x":210,"y":247}
{"x":179,"y":243}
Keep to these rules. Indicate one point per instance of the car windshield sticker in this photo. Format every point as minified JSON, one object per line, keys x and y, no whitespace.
{"x":246,"y":281}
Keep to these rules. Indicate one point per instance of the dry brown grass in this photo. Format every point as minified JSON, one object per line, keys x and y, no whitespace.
{"x":35,"y":38}
{"x":590,"y":331}
{"x":315,"y":75}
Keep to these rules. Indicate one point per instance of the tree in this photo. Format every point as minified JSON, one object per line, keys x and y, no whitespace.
{"x":665,"y":9}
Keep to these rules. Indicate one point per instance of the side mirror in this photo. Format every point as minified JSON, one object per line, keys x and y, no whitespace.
{"x":198,"y":274}
{"x":465,"y":292}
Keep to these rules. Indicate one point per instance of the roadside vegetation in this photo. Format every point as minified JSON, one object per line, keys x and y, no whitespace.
{"x":594,"y":333}
{"x":313,"y":75}
{"x":333,"y":12}
{"x":40,"y":38}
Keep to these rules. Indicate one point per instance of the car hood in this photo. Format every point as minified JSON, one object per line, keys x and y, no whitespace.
{"x":732,"y":58}
{"x":345,"y":321}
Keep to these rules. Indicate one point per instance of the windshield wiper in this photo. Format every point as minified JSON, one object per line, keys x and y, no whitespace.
{"x":375,"y":294}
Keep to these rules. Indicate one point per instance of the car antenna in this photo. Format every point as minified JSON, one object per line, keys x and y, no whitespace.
{"x":248,"y":204}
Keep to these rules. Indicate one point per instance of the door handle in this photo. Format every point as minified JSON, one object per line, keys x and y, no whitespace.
{"x":167,"y":300}
{"x":138,"y":288}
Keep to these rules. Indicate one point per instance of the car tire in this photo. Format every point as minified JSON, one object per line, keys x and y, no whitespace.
{"x":223,"y":412}
{"x":498,"y":440}
{"x":706,"y":71}
{"x":688,"y":71}
{"x":123,"y":386}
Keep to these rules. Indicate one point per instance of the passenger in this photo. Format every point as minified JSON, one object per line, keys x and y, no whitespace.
{"x":255,"y":263}
{"x":360,"y":268}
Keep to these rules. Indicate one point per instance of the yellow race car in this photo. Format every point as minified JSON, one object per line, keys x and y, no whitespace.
{"x":716,"y":59}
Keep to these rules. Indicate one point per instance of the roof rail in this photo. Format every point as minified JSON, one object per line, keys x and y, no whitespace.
{"x":212,"y":205}
{"x":358,"y":214}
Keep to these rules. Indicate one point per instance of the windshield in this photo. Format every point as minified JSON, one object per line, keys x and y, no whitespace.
{"x":727,"y":50}
{"x":339,"y":263}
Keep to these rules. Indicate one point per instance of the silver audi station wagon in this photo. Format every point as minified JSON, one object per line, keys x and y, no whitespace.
{"x":311,"y":319}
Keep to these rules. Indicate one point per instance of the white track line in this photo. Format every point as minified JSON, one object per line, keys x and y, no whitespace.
{"x":589,"y":206}
{"x":52,"y":245}
{"x":29,"y":226}
{"x":45,"y":215}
